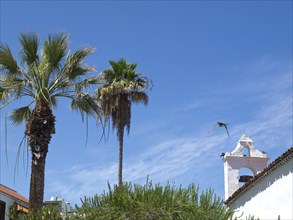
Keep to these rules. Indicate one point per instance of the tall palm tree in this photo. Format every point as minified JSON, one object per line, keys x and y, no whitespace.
{"x":44,"y":76}
{"x":121,"y":86}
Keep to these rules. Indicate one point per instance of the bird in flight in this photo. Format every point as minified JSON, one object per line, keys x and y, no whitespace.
{"x":221,"y":124}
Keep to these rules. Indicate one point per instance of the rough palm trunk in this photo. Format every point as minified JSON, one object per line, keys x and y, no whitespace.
{"x":39,"y":128}
{"x":120,"y":166}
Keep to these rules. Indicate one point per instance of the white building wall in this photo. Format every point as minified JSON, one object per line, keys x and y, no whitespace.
{"x":270,"y":197}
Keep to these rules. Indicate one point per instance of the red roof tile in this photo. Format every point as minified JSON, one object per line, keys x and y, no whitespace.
{"x":12,"y":193}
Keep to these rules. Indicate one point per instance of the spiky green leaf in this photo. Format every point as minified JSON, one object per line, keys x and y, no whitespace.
{"x":19,"y":115}
{"x":29,"y":43}
{"x":54,"y":51}
{"x":73,"y":65}
{"x":8,"y":64}
{"x":84,"y":103}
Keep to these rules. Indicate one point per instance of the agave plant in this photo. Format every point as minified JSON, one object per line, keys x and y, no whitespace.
{"x":44,"y":76}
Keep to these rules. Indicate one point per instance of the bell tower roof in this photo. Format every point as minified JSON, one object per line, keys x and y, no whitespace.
{"x":246,"y":142}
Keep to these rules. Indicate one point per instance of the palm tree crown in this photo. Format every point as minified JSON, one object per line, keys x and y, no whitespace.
{"x":121,"y":86}
{"x":45,"y":75}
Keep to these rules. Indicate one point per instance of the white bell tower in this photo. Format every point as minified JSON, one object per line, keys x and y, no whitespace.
{"x":256,"y":161}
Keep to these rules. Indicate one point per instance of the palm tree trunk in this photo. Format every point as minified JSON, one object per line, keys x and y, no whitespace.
{"x":120,"y":166}
{"x":39,"y":128}
{"x":37,"y":184}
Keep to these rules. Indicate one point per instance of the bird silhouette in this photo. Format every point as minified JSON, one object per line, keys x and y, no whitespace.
{"x":221,"y":124}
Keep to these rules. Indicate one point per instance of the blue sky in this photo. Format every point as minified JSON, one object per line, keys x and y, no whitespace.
{"x":209,"y":61}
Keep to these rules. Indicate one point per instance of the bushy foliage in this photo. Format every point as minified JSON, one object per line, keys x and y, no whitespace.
{"x":147,"y":202}
{"x":46,"y":213}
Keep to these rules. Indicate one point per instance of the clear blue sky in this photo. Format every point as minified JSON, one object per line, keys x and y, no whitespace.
{"x":209,"y":61}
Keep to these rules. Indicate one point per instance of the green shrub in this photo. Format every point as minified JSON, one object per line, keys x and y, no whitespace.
{"x":134,"y":201}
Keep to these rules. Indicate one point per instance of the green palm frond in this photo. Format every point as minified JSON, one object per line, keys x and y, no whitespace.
{"x":118,"y":66}
{"x":55,"y":49}
{"x":19,"y":115}
{"x":73,"y":65}
{"x":13,"y":83}
{"x":88,"y":82}
{"x":84,"y":103}
{"x":8,"y":64}
{"x":131,"y":67}
{"x":4,"y":94}
{"x":29,"y":43}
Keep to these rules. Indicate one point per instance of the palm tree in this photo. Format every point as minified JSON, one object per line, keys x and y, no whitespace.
{"x":45,"y":76}
{"x":121,"y":86}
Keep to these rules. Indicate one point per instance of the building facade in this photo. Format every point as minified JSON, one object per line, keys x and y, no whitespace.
{"x":268,"y":193}
{"x":62,"y":206}
{"x":9,"y":197}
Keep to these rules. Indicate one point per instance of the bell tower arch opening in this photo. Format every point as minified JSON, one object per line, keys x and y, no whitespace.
{"x":245,"y":174}
{"x":246,"y":152}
